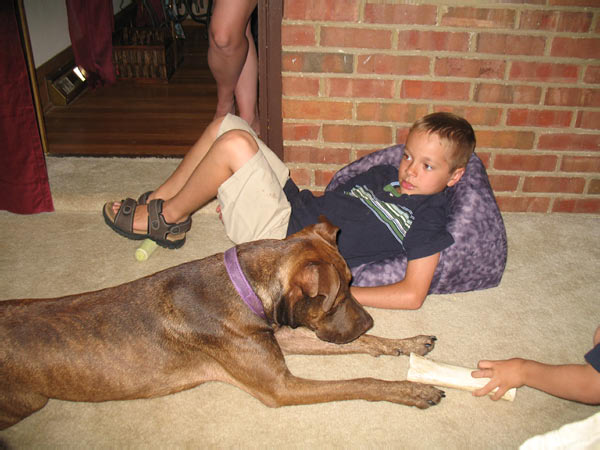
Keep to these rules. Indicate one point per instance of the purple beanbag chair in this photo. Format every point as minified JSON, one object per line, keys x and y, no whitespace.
{"x":477,"y":258}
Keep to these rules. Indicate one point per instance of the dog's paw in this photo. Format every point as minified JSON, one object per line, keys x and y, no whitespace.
{"x":425,"y":396}
{"x":377,"y":346}
{"x":421,"y":345}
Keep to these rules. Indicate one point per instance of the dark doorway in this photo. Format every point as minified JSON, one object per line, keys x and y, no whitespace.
{"x":165,"y":119}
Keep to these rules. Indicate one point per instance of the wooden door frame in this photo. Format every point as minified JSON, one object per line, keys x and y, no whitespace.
{"x":270,"y":14}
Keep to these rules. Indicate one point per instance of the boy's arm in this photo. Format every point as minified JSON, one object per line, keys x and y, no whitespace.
{"x":579,"y":382}
{"x":406,"y":294}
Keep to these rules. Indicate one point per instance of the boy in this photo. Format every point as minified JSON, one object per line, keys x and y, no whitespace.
{"x":578,"y":382}
{"x":381,"y":212}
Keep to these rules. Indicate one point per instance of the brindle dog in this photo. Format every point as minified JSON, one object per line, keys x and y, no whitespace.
{"x":187,"y":325}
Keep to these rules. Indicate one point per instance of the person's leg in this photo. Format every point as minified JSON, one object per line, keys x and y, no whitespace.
{"x":192,"y":158}
{"x":214,"y":166}
{"x":228,"y":48}
{"x":227,"y":155}
{"x":246,"y":90}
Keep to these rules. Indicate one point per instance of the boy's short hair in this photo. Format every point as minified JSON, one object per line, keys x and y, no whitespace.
{"x":456,"y":132}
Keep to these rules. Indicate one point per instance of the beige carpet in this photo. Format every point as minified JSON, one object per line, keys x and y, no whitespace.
{"x":547,"y":307}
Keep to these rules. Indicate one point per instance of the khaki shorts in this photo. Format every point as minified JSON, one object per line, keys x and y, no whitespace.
{"x":253,"y":204}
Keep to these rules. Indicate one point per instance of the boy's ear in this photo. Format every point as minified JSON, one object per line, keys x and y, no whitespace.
{"x":456,"y":175}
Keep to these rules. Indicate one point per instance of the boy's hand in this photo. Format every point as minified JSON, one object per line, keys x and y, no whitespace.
{"x":504,"y":376}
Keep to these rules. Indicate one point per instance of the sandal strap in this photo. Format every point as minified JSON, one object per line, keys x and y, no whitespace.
{"x":158,"y":227}
{"x":125,"y":215}
{"x":143,"y":199}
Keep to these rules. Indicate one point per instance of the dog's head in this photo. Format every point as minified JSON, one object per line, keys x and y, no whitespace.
{"x":317,"y":294}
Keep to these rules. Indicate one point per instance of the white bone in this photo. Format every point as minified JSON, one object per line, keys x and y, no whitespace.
{"x":423,"y":370}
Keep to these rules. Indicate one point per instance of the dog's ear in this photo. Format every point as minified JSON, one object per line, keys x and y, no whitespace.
{"x":326,"y":230}
{"x":320,"y":279}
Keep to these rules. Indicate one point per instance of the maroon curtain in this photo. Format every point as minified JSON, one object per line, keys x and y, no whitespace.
{"x":91,"y":24}
{"x":24,"y":187}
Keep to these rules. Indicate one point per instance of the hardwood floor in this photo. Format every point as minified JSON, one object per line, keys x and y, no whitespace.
{"x":140,"y":119}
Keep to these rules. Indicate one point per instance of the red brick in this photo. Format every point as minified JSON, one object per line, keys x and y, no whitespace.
{"x":521,"y":140}
{"x":364,"y":152}
{"x":479,"y":17}
{"x":400,"y":14}
{"x":310,"y":109}
{"x":592,"y":74}
{"x":355,"y":37}
{"x":577,"y":205}
{"x":588,"y":119}
{"x":530,"y":163}
{"x":556,"y":96}
{"x":591,"y":97}
{"x":523,"y":204}
{"x":500,"y":93}
{"x":474,"y":114}
{"x":575,"y":48}
{"x":539,"y":20}
{"x":330,"y":10}
{"x":543,"y":72}
{"x":539,"y":118}
{"x":401,"y":135}
{"x":435,"y":90}
{"x":433,"y":41}
{"x":580,"y":164}
{"x":593,"y":3}
{"x":393,"y":65}
{"x":317,"y":62}
{"x":594,"y":186}
{"x":554,"y":184}
{"x":300,"y":131}
{"x":301,"y":86}
{"x":390,"y":112}
{"x":573,"y":97}
{"x":511,"y":44}
{"x":504,"y":183}
{"x":316,"y":155}
{"x":356,"y":88}
{"x":298,"y":35}
{"x":485,"y":158}
{"x":575,"y":22}
{"x":357,"y":134}
{"x":300,"y":176}
{"x":323,"y":177}
{"x":579,"y":142}
{"x":563,"y":21}
{"x":470,"y":68}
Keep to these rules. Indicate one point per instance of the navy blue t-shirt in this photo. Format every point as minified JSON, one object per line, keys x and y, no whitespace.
{"x":375,"y":221}
{"x":593,"y":357}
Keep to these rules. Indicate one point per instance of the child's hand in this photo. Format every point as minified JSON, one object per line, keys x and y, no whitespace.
{"x":504,"y":375}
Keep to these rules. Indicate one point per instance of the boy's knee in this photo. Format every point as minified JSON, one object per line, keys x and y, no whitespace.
{"x":239,"y":144}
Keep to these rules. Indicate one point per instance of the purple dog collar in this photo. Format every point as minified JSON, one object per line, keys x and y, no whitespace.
{"x":232,"y":265}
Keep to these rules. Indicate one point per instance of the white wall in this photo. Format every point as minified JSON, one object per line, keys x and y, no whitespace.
{"x":49,"y":28}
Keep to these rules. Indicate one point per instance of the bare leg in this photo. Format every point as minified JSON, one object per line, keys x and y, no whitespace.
{"x":230,"y":51}
{"x":246,"y":94}
{"x":207,"y":165}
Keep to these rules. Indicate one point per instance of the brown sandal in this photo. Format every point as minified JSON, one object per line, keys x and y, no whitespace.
{"x":122,"y":221}
{"x":168,"y":235}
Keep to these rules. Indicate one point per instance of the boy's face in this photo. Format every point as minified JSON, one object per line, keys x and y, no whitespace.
{"x":425,"y":168}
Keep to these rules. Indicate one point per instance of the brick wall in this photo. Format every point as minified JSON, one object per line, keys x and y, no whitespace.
{"x":526,"y":74}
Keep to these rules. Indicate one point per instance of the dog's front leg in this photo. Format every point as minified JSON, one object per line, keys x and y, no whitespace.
{"x":257,"y":365}
{"x":302,"y":341}
{"x":292,"y":390}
